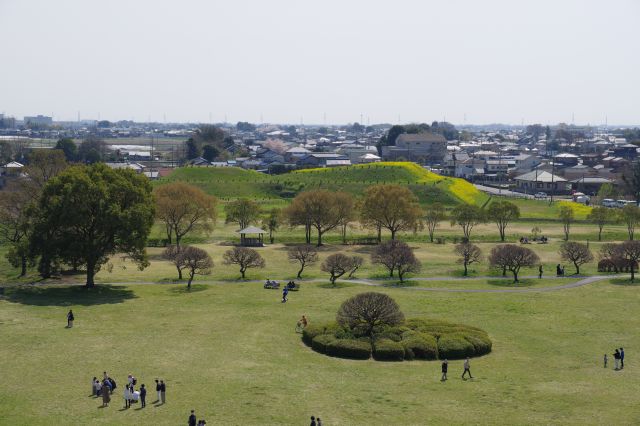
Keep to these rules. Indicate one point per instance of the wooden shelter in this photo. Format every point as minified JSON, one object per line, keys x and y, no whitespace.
{"x":252,"y":241}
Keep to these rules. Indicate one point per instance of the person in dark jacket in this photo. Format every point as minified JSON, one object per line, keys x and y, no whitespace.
{"x":313,"y":421}
{"x":616,"y":360}
{"x":621,"y":358}
{"x":163,"y":390}
{"x":192,"y":418}
{"x":158,"y":390}
{"x":143,"y":396}
{"x":70,"y":319}
{"x":445,"y":367}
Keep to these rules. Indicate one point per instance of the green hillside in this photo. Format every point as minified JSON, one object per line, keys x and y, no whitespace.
{"x":231,"y":182}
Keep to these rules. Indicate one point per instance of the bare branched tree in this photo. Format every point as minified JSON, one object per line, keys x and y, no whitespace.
{"x":468,"y":253}
{"x":303,"y":254}
{"x":366,"y":312}
{"x":577,"y":253}
{"x":512,"y":257}
{"x":397,"y":256}
{"x":337,"y":265}
{"x":244,"y":257}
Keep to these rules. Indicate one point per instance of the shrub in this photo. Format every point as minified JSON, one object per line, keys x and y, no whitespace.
{"x":422,"y":346}
{"x":454,"y":346}
{"x":345,"y":348}
{"x":388,"y":350}
{"x":319,"y":343}
{"x":313,"y":330}
{"x":481,"y":344}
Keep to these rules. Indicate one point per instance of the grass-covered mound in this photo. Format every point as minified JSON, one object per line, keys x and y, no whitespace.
{"x":414,"y":339}
{"x":232,"y":182}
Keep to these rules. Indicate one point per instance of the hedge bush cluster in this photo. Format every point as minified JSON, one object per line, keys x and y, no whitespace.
{"x":415,"y":339}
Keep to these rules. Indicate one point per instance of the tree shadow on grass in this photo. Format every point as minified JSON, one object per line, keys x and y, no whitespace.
{"x":625,"y":282}
{"x":68,"y":295}
{"x":195,"y":288}
{"x":508,"y":282}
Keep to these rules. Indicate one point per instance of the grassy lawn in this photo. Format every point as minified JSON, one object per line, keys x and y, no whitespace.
{"x":229,"y":351}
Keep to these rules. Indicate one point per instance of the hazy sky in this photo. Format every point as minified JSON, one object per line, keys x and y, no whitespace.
{"x":287,"y":60}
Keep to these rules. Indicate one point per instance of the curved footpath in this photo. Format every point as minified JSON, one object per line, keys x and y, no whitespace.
{"x":387,"y":283}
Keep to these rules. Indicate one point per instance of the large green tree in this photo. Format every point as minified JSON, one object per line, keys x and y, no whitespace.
{"x":391,"y":207}
{"x":503,"y":212}
{"x":69,"y":147}
{"x":88,"y":213}
{"x":467,"y":216}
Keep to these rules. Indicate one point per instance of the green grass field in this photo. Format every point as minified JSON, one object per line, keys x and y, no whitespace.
{"x":229,"y":352}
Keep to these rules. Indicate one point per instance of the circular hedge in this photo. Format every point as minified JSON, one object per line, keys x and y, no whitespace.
{"x":414,"y":339}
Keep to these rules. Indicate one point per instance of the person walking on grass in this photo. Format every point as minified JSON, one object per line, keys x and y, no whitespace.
{"x":70,"y":319}
{"x":163,"y":391}
{"x":285,"y":292}
{"x":192,"y":419}
{"x":467,"y":369}
{"x":143,"y":396}
{"x":616,"y":359}
{"x":158,"y":390}
{"x":445,"y":367}
{"x":606,"y":360}
{"x":621,"y":358}
{"x":540,"y":272}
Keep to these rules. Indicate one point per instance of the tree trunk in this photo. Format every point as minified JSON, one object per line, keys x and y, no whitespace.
{"x":23,"y":265}
{"x":504,"y":271}
{"x":179,"y":273}
{"x":344,"y":234}
{"x":379,"y":234}
{"x":319,"y":238}
{"x":169,"y":234}
{"x":271,"y":235}
{"x":300,"y":271}
{"x":178,"y":238}
{"x":400,"y":274}
{"x":600,"y":234}
{"x":393,"y":234}
{"x":189,"y":282}
{"x":465,"y":269}
{"x":91,"y":271}
{"x":242,"y":272}
{"x":577,"y":268}
{"x":501,"y":228}
{"x":430,"y":236}
{"x":515,"y":276}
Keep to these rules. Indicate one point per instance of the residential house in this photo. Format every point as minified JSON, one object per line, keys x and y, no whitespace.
{"x":541,"y":180}
{"x":423,"y":147}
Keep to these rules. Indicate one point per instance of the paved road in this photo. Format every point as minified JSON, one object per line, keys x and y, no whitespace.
{"x":385,"y":282}
{"x":504,"y":192}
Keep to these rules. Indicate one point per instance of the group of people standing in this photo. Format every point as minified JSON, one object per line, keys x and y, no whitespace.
{"x":466,"y":366}
{"x":130,"y":395}
{"x":618,"y":359}
{"x":559,"y":270}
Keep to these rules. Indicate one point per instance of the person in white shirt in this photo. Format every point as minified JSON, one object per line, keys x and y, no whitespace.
{"x":126,"y":395}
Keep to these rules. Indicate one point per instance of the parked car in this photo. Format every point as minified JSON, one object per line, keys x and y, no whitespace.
{"x":540,"y":195}
{"x":608,"y":202}
{"x":622,"y":203}
{"x":583,"y":199}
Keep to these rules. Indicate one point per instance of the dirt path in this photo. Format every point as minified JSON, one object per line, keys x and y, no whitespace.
{"x":389,"y":283}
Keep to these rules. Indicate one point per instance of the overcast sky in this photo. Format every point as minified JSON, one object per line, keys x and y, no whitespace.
{"x":472,"y":61}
